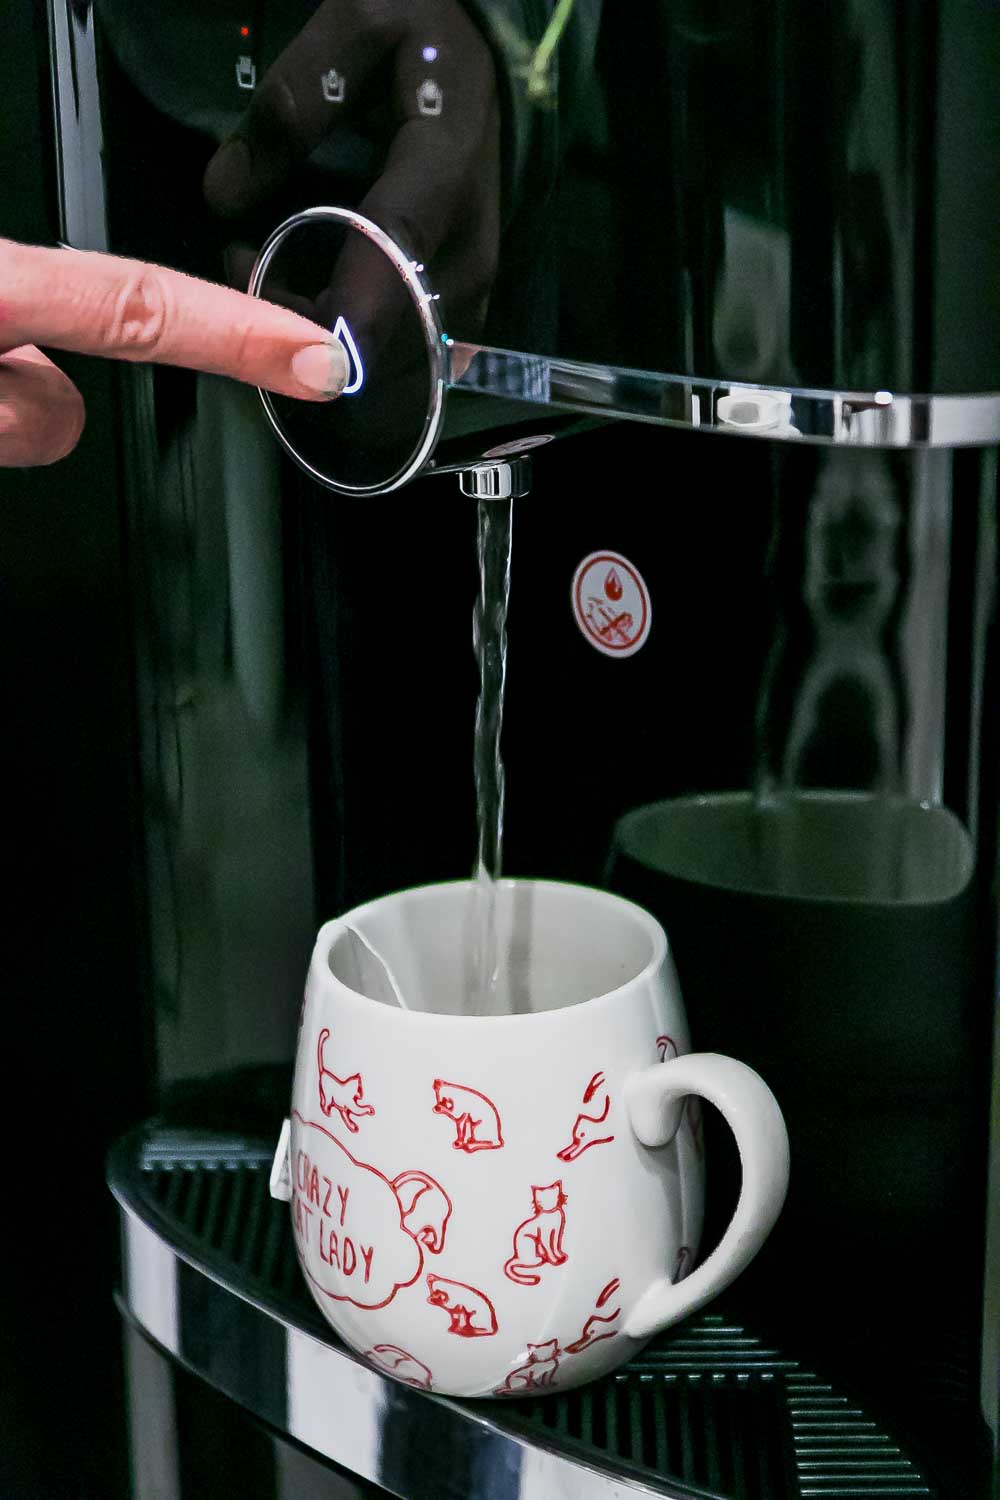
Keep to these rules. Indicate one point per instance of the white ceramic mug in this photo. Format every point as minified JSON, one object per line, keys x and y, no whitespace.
{"x":511,"y":1204}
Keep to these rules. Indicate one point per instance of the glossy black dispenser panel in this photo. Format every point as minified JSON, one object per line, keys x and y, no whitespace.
{"x":773,"y":224}
{"x":772,"y":195}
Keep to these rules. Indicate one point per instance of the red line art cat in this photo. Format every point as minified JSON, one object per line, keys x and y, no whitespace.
{"x":539,"y":1370}
{"x":595,"y":1329}
{"x":345,"y":1095}
{"x":607,"y":1292}
{"x":425,"y":1208}
{"x":396,"y":1362}
{"x":598,"y":1326}
{"x":536,"y":1374}
{"x":587,"y":1133}
{"x":476,"y":1118}
{"x":692,"y":1105}
{"x":471,"y":1314}
{"x":538,"y":1241}
{"x":592,"y":1087}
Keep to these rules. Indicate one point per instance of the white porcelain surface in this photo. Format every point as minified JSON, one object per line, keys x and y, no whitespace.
{"x":511,"y":1204}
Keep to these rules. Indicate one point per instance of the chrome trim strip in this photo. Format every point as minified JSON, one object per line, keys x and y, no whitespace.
{"x":337,"y":1406}
{"x":150,"y":1267}
{"x":425,"y":302}
{"x":868,"y":419}
{"x":155,"y":1460}
{"x":79,"y":138}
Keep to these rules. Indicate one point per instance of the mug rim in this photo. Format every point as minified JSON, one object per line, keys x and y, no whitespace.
{"x":335,"y":926}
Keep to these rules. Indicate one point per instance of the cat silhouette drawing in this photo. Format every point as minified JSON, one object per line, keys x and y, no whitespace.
{"x":396,"y":1362}
{"x":536,"y":1374}
{"x":588,"y":1130}
{"x":424,"y":1209}
{"x":475,"y":1118}
{"x":471,"y":1314}
{"x":666,"y":1047}
{"x":599,"y":1325}
{"x":345,"y":1095}
{"x":538,"y":1241}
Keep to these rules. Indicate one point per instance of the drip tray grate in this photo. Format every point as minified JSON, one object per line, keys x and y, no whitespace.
{"x":706,"y":1410}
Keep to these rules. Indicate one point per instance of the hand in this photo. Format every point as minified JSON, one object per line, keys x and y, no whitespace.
{"x":96,"y":304}
{"x":419,"y":76}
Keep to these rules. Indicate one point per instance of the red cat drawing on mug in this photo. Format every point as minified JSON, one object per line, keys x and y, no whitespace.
{"x":589,"y":1129}
{"x":540,"y":1368}
{"x":476,"y":1118}
{"x":538,"y":1241}
{"x":599,"y":1325}
{"x":667,"y":1048}
{"x":587,"y":1132}
{"x":345,"y":1095}
{"x":402,"y":1366}
{"x":471,"y":1314}
{"x":537,"y":1372}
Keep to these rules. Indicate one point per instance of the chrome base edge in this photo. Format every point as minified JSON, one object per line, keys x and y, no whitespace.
{"x":322,"y":1396}
{"x":708,"y":1412}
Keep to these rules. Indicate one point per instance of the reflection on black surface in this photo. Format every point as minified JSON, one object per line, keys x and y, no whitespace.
{"x":748,"y":192}
{"x":415,"y":80}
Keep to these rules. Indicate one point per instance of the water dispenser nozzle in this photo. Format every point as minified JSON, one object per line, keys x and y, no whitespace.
{"x":508,"y":480}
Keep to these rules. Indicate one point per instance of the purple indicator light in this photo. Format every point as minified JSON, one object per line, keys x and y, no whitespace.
{"x":430,"y":54}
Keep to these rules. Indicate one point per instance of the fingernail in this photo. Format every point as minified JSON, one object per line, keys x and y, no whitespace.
{"x":7,"y":417}
{"x":321,"y":368}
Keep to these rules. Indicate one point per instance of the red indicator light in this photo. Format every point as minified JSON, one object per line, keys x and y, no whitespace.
{"x":244,"y":31}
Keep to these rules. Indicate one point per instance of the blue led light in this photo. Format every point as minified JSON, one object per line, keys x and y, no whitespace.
{"x":356,"y":369}
{"x":430,"y":54}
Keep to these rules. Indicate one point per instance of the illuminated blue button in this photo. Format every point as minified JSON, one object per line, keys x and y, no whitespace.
{"x":355,"y":363}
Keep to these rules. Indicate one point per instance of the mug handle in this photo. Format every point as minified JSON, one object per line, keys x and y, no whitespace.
{"x":654,"y":1101}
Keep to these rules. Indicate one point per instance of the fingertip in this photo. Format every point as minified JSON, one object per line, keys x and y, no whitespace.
{"x":321,"y":370}
{"x":41,"y":428}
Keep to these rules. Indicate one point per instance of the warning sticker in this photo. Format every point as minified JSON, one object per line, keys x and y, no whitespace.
{"x":611,"y":604}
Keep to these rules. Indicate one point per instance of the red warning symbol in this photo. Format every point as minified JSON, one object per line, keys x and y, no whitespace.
{"x":611,"y":604}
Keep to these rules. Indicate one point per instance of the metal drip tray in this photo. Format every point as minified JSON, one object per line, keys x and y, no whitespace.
{"x":210,"y":1274}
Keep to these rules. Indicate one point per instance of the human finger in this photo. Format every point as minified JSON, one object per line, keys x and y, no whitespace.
{"x":41,"y":410}
{"x":91,"y":303}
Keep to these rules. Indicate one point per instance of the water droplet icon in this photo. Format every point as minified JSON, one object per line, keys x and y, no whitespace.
{"x":356,"y":369}
{"x":613,"y":585}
